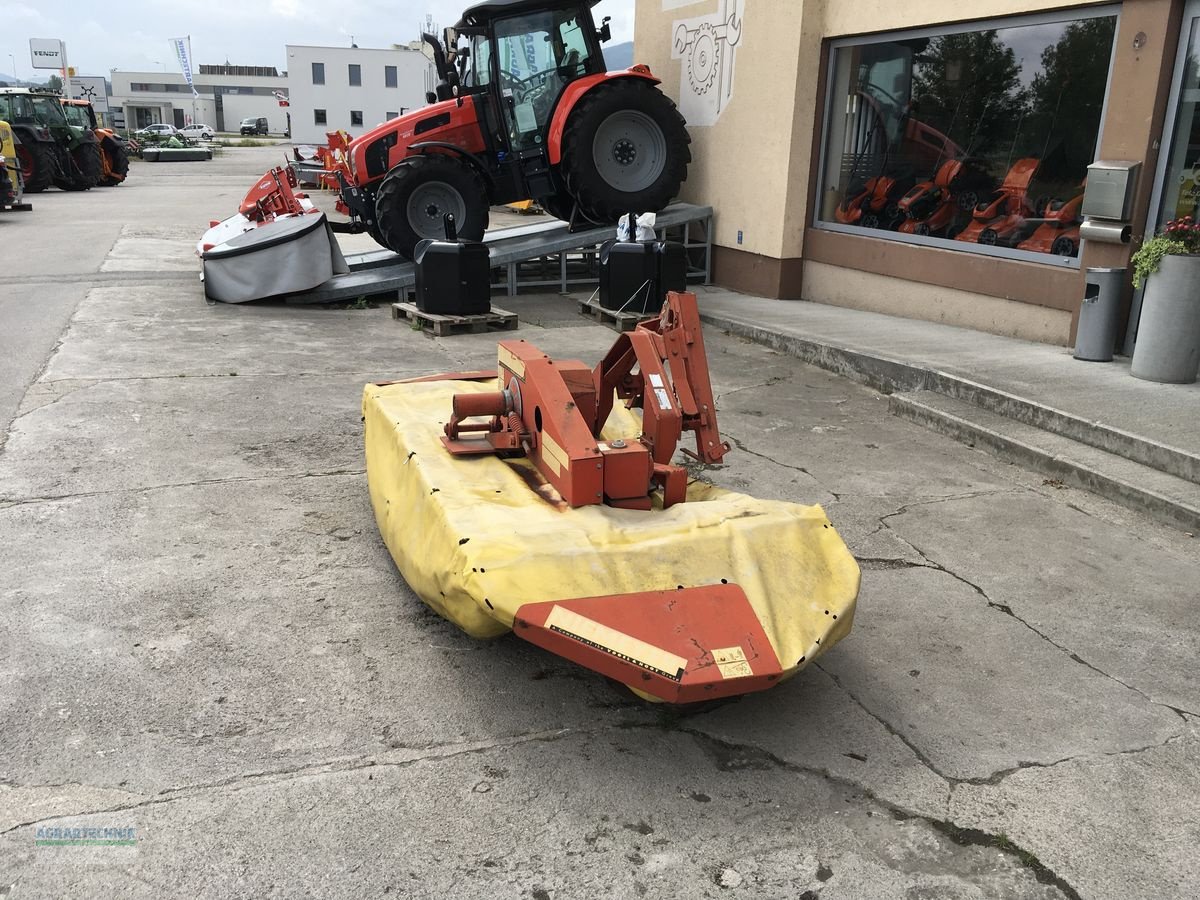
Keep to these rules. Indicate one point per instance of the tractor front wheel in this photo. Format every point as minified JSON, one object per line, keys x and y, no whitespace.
{"x":415,"y":196}
{"x":116,"y":162}
{"x":37,"y":166}
{"x":559,"y":205}
{"x":625,"y":149}
{"x":83,"y":168}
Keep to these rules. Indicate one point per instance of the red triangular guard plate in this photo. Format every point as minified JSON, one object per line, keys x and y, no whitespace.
{"x":682,"y":646}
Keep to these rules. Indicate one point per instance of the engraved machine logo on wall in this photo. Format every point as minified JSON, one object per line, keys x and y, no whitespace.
{"x":707,"y":49}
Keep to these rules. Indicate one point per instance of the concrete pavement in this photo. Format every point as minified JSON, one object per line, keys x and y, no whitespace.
{"x":202,"y":638}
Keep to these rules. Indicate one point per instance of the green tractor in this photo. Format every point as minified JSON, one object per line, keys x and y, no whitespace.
{"x":51,"y":150}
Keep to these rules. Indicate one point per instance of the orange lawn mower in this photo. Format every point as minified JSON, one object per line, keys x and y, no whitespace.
{"x":932,"y":208}
{"x":1002,"y":220}
{"x":1059,"y":232}
{"x":872,"y":203}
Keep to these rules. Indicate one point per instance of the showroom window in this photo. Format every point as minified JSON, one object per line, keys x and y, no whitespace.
{"x":356,"y":118}
{"x":319,"y":117}
{"x":390,"y":78}
{"x":318,"y":70}
{"x":972,"y":137}
{"x":355,"y":75}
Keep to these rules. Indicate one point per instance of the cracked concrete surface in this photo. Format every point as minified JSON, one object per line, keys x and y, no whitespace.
{"x":202,"y":638}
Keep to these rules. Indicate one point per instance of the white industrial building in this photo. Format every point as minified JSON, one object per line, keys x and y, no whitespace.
{"x":352,"y":88}
{"x":228,"y":94}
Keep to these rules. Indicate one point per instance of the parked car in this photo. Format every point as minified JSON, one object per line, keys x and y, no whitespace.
{"x":161,"y":129}
{"x":197,"y":131}
{"x":254,"y":125}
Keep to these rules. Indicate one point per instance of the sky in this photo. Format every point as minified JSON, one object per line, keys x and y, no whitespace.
{"x":134,"y":36}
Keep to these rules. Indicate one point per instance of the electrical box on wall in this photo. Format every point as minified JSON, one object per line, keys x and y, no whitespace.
{"x":1110,"y":189}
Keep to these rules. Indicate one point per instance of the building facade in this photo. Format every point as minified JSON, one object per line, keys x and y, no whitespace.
{"x":927,"y":158}
{"x":228,"y":94}
{"x":353,"y":89}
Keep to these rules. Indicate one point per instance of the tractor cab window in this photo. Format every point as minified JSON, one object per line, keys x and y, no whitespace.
{"x":536,"y":56}
{"x":75,"y":116}
{"x":576,"y":55}
{"x":49,"y":111}
{"x":479,"y":71}
{"x":16,"y":108}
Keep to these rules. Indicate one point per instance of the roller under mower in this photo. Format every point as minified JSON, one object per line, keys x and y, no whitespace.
{"x":525,"y":110}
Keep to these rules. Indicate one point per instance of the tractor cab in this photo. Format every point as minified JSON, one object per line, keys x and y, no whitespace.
{"x":524,"y":53}
{"x":79,"y":113}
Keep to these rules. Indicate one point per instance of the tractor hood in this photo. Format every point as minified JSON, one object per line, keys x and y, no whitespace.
{"x":372,"y":154}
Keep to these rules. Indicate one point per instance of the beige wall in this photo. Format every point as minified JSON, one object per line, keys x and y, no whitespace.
{"x":742,"y":165}
{"x":856,"y":289}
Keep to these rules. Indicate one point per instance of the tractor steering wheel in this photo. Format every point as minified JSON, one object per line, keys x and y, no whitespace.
{"x":508,"y":79}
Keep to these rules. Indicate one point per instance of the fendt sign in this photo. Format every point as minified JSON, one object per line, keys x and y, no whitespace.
{"x":46,"y":53}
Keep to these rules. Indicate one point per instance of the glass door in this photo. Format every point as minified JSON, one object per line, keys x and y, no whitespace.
{"x":1177,"y":181}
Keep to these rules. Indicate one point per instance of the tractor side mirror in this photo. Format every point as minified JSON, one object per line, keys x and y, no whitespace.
{"x":604,"y":32}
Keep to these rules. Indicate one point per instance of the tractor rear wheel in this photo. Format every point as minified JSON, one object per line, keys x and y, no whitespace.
{"x":37,"y":166}
{"x":625,"y":149}
{"x":116,"y":162}
{"x":414,"y":197}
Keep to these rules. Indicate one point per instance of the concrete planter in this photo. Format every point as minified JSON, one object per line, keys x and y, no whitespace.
{"x":1168,"y":337}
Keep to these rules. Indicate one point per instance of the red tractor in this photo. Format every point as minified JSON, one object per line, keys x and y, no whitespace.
{"x":525,"y":109}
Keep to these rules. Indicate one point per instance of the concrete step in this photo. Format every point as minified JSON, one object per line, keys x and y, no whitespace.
{"x":890,"y":375}
{"x":1164,"y":497}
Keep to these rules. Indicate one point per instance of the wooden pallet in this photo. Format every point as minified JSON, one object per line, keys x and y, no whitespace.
{"x":442,"y":326}
{"x":614,"y":319}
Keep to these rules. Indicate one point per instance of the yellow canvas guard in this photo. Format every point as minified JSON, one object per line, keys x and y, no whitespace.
{"x":478,"y":538}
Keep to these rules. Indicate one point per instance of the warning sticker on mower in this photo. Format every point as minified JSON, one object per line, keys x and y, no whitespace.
{"x":731,"y":661}
{"x":659,"y":386}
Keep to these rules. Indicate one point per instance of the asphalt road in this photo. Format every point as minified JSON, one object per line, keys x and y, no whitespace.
{"x":205,"y":647}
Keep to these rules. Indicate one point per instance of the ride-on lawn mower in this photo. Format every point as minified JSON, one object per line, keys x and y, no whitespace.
{"x":525,"y":110}
{"x":527,"y":499}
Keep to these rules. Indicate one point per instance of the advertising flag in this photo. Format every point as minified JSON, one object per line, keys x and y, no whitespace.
{"x":182,"y":48}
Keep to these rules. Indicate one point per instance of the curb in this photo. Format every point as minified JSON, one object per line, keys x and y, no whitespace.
{"x":1154,"y":504}
{"x":889,"y":376}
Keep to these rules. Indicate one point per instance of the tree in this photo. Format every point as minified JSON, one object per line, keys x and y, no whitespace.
{"x":54,"y":83}
{"x":1067,"y":97}
{"x":969,"y":87}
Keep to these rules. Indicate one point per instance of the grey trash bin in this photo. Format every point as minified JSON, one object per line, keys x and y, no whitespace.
{"x":1097,"y":334}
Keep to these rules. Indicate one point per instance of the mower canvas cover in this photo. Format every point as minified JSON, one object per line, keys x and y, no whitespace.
{"x":720,"y":595}
{"x":287,"y":254}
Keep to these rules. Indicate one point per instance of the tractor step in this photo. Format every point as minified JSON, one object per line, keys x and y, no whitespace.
{"x":613,"y":318}
{"x":443,"y":326}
